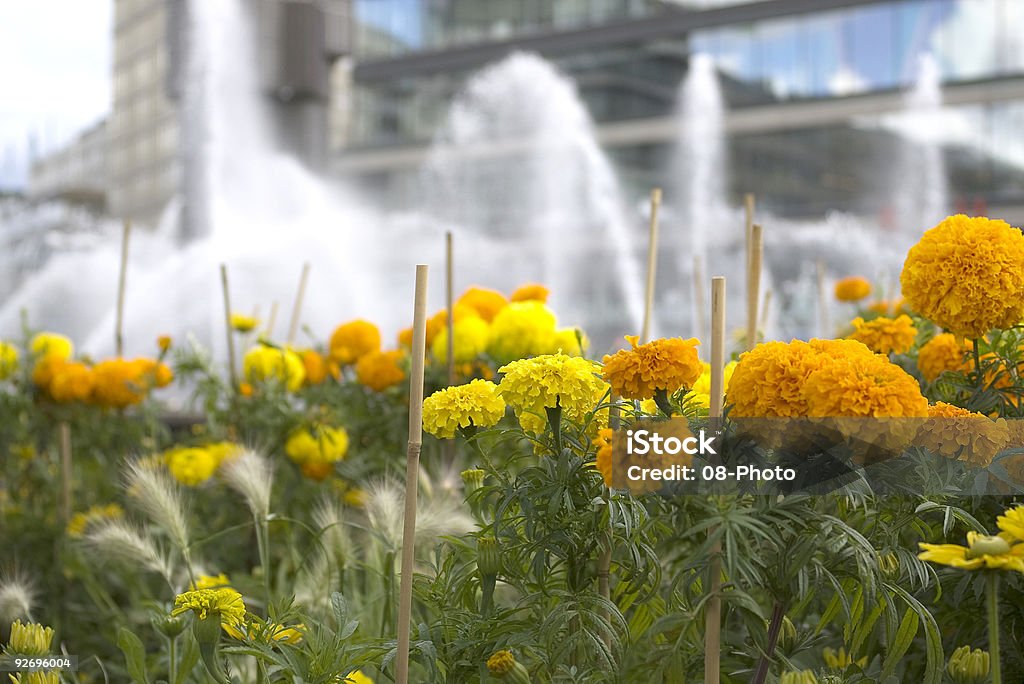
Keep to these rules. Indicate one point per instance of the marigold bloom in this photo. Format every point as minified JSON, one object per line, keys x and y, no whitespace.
{"x":80,"y":522}
{"x":471,"y":337}
{"x":71,"y":381}
{"x":224,"y":602}
{"x":603,"y":458}
{"x":242,"y":323}
{"x":969,"y":667}
{"x":944,"y":352}
{"x":8,"y":359}
{"x":664,"y":364}
{"x":119,"y":383}
{"x":521,"y":330}
{"x":889,"y":307}
{"x":210,"y":582}
{"x":863,"y":387}
{"x":967,"y":275}
{"x":353,"y":340}
{"x":531,"y":292}
{"x":29,"y":639}
{"x":840,"y":660}
{"x":884,"y":335}
{"x":852,"y":289}
{"x":700,"y":391}
{"x":163,"y":343}
{"x":477,"y":403}
{"x":487,"y":303}
{"x":571,"y":341}
{"x":501,"y":662}
{"x":381,"y":370}
{"x":191,"y":466}
{"x":357,"y":677}
{"x":957,"y":433}
{"x":263,"y":363}
{"x":552,"y":380}
{"x":319,"y":444}
{"x":1012,"y":523}
{"x":51,"y":344}
{"x":982,"y":551}
{"x":315,"y":365}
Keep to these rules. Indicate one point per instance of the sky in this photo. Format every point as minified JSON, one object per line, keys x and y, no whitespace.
{"x":54,"y":76}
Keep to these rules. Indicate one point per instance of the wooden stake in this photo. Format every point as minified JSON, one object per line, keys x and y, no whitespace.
{"x":293,"y":325}
{"x":268,"y":332}
{"x":652,"y":265}
{"x":763,"y":323}
{"x":700,"y":310}
{"x":754,"y":259}
{"x":418,"y":352}
{"x":713,"y":615}
{"x":449,"y":295}
{"x":65,"y":470}
{"x":823,"y":317}
{"x":748,"y":222}
{"x":232,"y":373}
{"x":121,"y":280}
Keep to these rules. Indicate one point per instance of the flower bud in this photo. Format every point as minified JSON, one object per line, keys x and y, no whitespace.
{"x":787,"y":635}
{"x":168,"y":625}
{"x":488,"y":558}
{"x":889,"y":564}
{"x":802,"y":677}
{"x":30,"y":639}
{"x":473,"y":479}
{"x":504,"y":666}
{"x":968,"y":667}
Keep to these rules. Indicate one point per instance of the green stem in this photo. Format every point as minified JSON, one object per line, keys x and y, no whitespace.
{"x":977,"y":366}
{"x":555,"y":421}
{"x":172,"y":663}
{"x":263,"y":541}
{"x":993,"y":626}
{"x":662,"y":400}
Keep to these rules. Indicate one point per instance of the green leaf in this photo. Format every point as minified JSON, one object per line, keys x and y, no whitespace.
{"x":189,"y":658}
{"x":901,"y":642}
{"x":134,"y":654}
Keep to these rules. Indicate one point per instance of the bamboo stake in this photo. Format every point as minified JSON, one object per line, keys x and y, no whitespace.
{"x":763,"y":324}
{"x":700,"y":311}
{"x":232,"y":373}
{"x":713,"y":616}
{"x":65,"y":469}
{"x":823,"y":317}
{"x":749,"y":202}
{"x":418,"y":351}
{"x":652,"y":265}
{"x":449,"y":295}
{"x":754,"y":260}
{"x":268,"y":332}
{"x":121,"y":278}
{"x":293,"y":325}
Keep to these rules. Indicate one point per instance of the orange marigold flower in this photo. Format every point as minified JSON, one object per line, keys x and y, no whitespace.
{"x":944,"y":352}
{"x":852,"y":289}
{"x":119,"y":382}
{"x":967,"y":275}
{"x":353,"y":340}
{"x":380,"y":370}
{"x":530,"y":292}
{"x":884,"y":335}
{"x":72,"y":381}
{"x":603,"y":459}
{"x":960,"y":434}
{"x":863,"y":387}
{"x":663,"y":364}
{"x":316,"y":366}
{"x":486,"y":302}
{"x":163,"y":343}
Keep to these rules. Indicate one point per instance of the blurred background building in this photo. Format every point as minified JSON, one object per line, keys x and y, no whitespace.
{"x":360,"y":87}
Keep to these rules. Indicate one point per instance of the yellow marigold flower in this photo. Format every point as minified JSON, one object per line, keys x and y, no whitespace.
{"x":700,"y":391}
{"x":944,"y":352}
{"x":357,"y":677}
{"x":884,"y":335}
{"x":49,"y":677}
{"x":29,"y":639}
{"x":531,"y":292}
{"x":223,"y":601}
{"x":967,"y":275}
{"x":852,"y":289}
{"x":353,"y":340}
{"x":191,"y":466}
{"x":477,"y":403}
{"x":603,"y":459}
{"x":223,"y":451}
{"x":319,"y":444}
{"x":501,"y":662}
{"x":44,"y":369}
{"x":768,"y":380}
{"x":80,"y":522}
{"x":840,"y":660}
{"x":521,"y":330}
{"x":354,"y":497}
{"x":571,"y":341}
{"x":1012,"y":523}
{"x":487,"y":303}
{"x":664,"y":364}
{"x":533,"y":385}
{"x":863,"y":387}
{"x":381,"y":370}
{"x":242,"y":323}
{"x":957,"y":433}
{"x":246,"y":389}
{"x":8,"y":359}
{"x":982,"y":551}
{"x":72,"y":381}
{"x":471,"y":337}
{"x":262,"y":363}
{"x":51,"y":344}
{"x":315,"y":365}
{"x":210,"y":582}
{"x":163,"y":343}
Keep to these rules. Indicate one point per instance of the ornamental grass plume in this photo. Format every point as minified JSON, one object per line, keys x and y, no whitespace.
{"x":353,"y":340}
{"x":81,"y":521}
{"x":117,"y":539}
{"x":252,"y":476}
{"x":487,"y":303}
{"x":471,"y":337}
{"x":967,"y":275}
{"x":963,"y":435}
{"x":265,"y":363}
{"x":380,"y":370}
{"x":884,"y":335}
{"x":942,"y":353}
{"x":158,"y":497}
{"x":853,"y":289}
{"x":16,"y":598}
{"x":521,"y":330}
{"x":476,"y":404}
{"x":665,"y":364}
